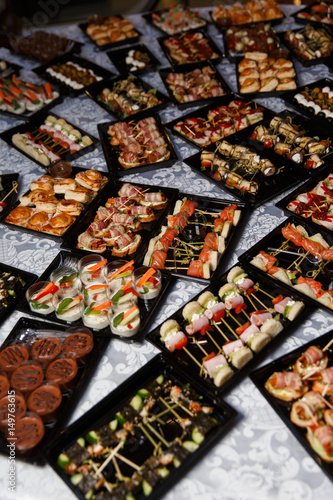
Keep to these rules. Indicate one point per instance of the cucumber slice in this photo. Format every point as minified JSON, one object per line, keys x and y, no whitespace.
{"x":136,"y":402}
{"x":121,"y":419}
{"x":76,"y":479}
{"x":113,"y":424}
{"x":146,"y":488}
{"x":197,"y":436}
{"x":160,"y":379}
{"x":176,"y":463}
{"x":163,"y":472}
{"x":143,"y":393}
{"x":89,"y":495}
{"x":240,"y":277}
{"x":46,"y":297}
{"x":130,"y":497}
{"x":92,"y":437}
{"x":130,"y":317}
{"x":81,"y":442}
{"x":190,"y":446}
{"x":63,"y":460}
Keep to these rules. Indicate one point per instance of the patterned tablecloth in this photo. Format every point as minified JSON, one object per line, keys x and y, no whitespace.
{"x":259,"y":458}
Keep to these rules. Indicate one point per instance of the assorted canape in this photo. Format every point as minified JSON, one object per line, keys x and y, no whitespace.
{"x":225,"y":327}
{"x":316,"y":100}
{"x":177,"y":19}
{"x":53,"y":204}
{"x":309,"y":43}
{"x":112,"y":29}
{"x":251,"y":12}
{"x":194,"y":240}
{"x":319,"y":12}
{"x":189,"y":48}
{"x":137,"y":59}
{"x":249,"y":39}
{"x":73,"y":75}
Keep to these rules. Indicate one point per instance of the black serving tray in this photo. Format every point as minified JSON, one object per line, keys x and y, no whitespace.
{"x":70,"y":241}
{"x":283,"y":408}
{"x":111,"y":153}
{"x":203,"y":112}
{"x":273,"y":93}
{"x":307,"y":9}
{"x":307,"y":63}
{"x":148,"y":309}
{"x":182,"y":105}
{"x":274,"y":240}
{"x":223,"y":26}
{"x":269,"y":187}
{"x":25,"y":330}
{"x":149,"y":18}
{"x":11,"y":69}
{"x":188,"y":65}
{"x":311,"y":129}
{"x":84,"y":63}
{"x":83,"y":27}
{"x":117,"y":57}
{"x":288,"y":97}
{"x":305,"y":188}
{"x":81,"y":217}
{"x":210,"y":205}
{"x":33,"y":124}
{"x":29,"y":279}
{"x":95,"y":90}
{"x":106,"y":409}
{"x":232,"y":54}
{"x":185,"y":362}
{"x":7,"y":184}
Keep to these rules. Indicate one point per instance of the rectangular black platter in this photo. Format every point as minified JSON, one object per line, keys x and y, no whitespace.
{"x":11,"y":68}
{"x":105,"y":409}
{"x":311,"y":129}
{"x":111,"y":153}
{"x":269,"y":187}
{"x":70,"y":396}
{"x":274,"y":240}
{"x":33,"y":124}
{"x":304,"y":188}
{"x":7,"y":184}
{"x":210,"y":204}
{"x":283,"y":408}
{"x":83,"y":27}
{"x":117,"y":57}
{"x":148,"y":228}
{"x":29,"y":279}
{"x":80,"y":217}
{"x":222,"y":26}
{"x":307,"y":9}
{"x":202,"y":113}
{"x":84,"y":63}
{"x":320,"y":120}
{"x":148,"y":309}
{"x":313,"y":62}
{"x":183,"y":105}
{"x":180,"y":359}
{"x":95,"y":90}
{"x":173,"y":63}
{"x":232,"y":54}
{"x":258,"y":95}
{"x":149,"y":18}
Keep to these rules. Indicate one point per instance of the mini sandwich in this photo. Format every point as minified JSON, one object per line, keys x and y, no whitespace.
{"x":48,"y":205}
{"x":62,"y":185}
{"x":80,"y":194}
{"x":269,"y":84}
{"x":256,"y":56}
{"x":91,"y":179}
{"x":71,"y":207}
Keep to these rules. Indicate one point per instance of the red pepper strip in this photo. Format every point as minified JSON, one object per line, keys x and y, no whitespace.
{"x":277,"y":299}
{"x":130,"y":290}
{"x":44,"y":90}
{"x":219,"y":315}
{"x":205,"y":329}
{"x":33,"y":96}
{"x":258,"y":312}
{"x":2,"y":95}
{"x":242,"y":328}
{"x":153,"y":280}
{"x":182,"y":343}
{"x":239,"y":307}
{"x":16,"y":80}
{"x":49,"y":90}
{"x":210,"y":356}
{"x":250,"y":290}
{"x":15,"y":91}
{"x":50,"y":288}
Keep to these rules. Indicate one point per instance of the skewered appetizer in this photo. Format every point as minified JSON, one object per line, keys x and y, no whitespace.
{"x":310,"y":43}
{"x":73,"y":75}
{"x":258,"y":73}
{"x":54,"y":139}
{"x":110,"y":30}
{"x":42,"y":45}
{"x":126,"y":98}
{"x":189,"y":48}
{"x":246,"y":333}
{"x":249,"y":39}
{"x":138,"y":143}
{"x":220,"y":122}
{"x":316,"y":204}
{"x":188,"y":223}
{"x":308,"y":385}
{"x":117,"y":224}
{"x":185,"y":421}
{"x":177,"y":19}
{"x":52,"y":205}
{"x":317,"y":100}
{"x":251,"y":12}
{"x":196,"y":85}
{"x":290,"y":140}
{"x":20,"y":97}
{"x":10,"y":286}
{"x":320,"y":12}
{"x":305,"y":282}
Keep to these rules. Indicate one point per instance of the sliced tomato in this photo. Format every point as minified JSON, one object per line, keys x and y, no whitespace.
{"x":182,"y":343}
{"x":219,"y":315}
{"x":205,"y":329}
{"x":242,"y":328}
{"x":277,"y":299}
{"x":239,"y":307}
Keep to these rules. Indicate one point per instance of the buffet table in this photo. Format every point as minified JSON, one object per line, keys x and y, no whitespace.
{"x":258,"y":458}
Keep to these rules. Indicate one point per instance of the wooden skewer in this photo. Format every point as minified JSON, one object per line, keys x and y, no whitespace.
{"x":146,"y":433}
{"x":311,"y":372}
{"x":219,"y":329}
{"x":328,"y":345}
{"x":325,"y":400}
{"x":191,"y":356}
{"x":193,"y":341}
{"x":105,"y":483}
{"x":127,"y":461}
{"x":154,"y":431}
{"x":15,"y":186}
{"x":112,"y":454}
{"x":233,"y":317}
{"x":261,"y":303}
{"x":118,"y":471}
{"x":248,"y":297}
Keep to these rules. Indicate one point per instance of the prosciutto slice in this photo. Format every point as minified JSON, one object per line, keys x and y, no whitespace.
{"x":172,"y":340}
{"x":280,"y":306}
{"x":231,"y":303}
{"x":197,"y":324}
{"x":259,"y":317}
{"x":154,"y":197}
{"x":212,"y":363}
{"x":313,"y":354}
{"x":103,"y":213}
{"x":88,"y":241}
{"x":245,"y":284}
{"x":219,"y":306}
{"x":327,"y":375}
{"x":324,"y":434}
{"x":230,"y":347}
{"x":287,"y":379}
{"x":251,"y":330}
{"x":130,"y":190}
